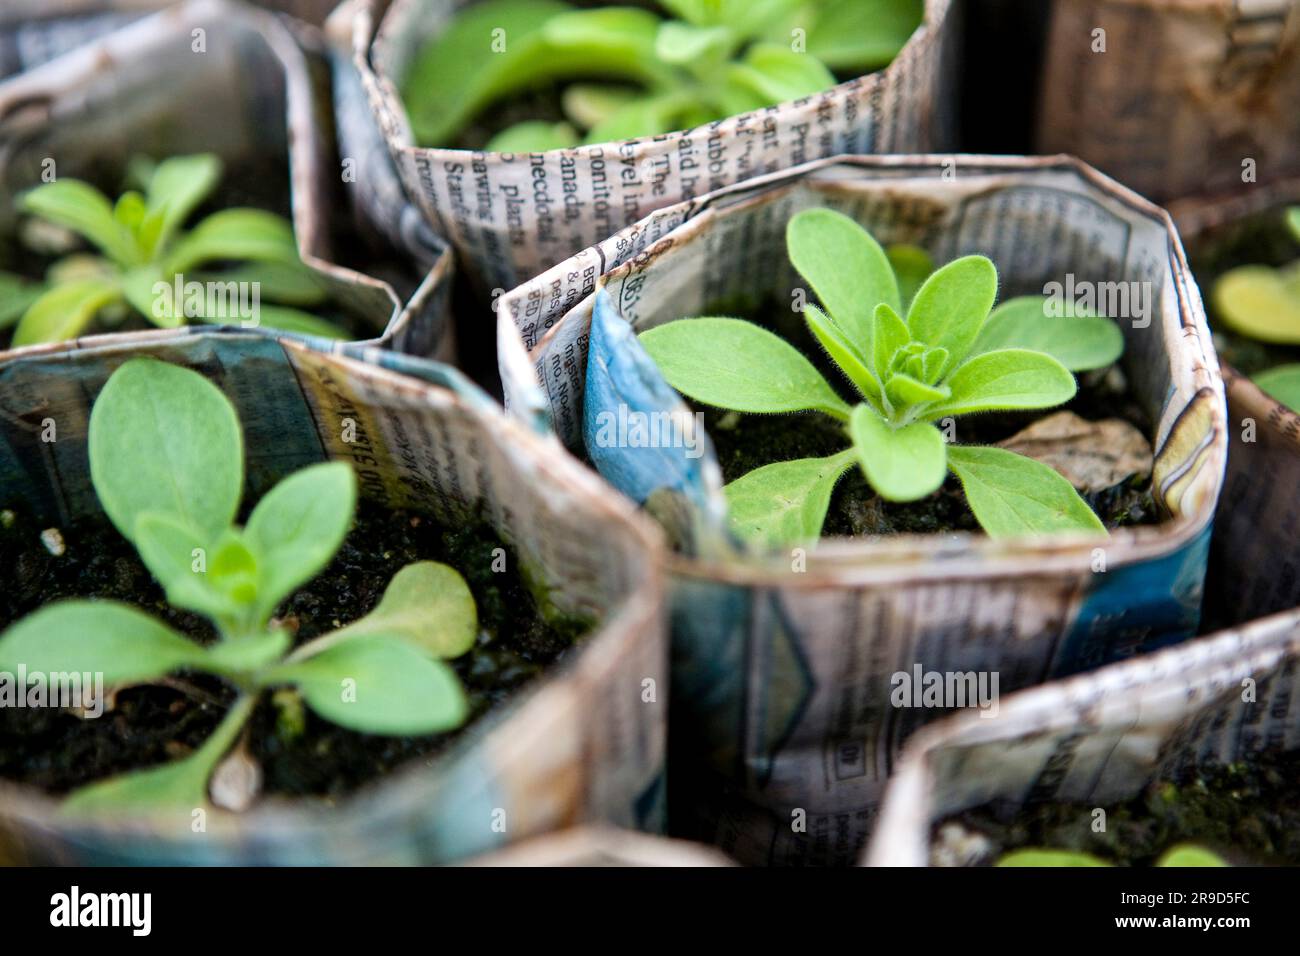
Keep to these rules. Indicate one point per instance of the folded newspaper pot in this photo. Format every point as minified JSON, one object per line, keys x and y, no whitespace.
{"x":263,"y":95}
{"x":583,"y":743}
{"x":782,"y":663}
{"x":599,"y":845}
{"x":1255,"y":552}
{"x":511,"y":215}
{"x":1100,"y":738}
{"x":1174,"y":98}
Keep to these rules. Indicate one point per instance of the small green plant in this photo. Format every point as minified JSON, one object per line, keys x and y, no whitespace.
{"x":1263,"y":303}
{"x":949,"y":357}
{"x":1183,"y":855}
{"x":145,"y":260}
{"x":167,"y":462}
{"x":717,"y":59}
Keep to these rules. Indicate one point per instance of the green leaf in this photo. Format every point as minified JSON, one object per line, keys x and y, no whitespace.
{"x":902,"y":464}
{"x":1189,"y":855}
{"x":845,"y":267}
{"x":889,"y":334}
{"x":428,"y":605}
{"x":64,"y":312}
{"x":778,"y":74}
{"x":86,"y":211}
{"x":951,"y":306}
{"x":857,"y":36}
{"x":912,"y":265}
{"x":99,"y":637}
{"x":163,"y":439}
{"x":16,"y":296}
{"x":1079,"y":342}
{"x":235,"y":234}
{"x":1013,"y":495}
{"x":282,"y":319}
{"x":1005,"y":379}
{"x":377,"y":685}
{"x":534,"y":136}
{"x":843,"y":353}
{"x":1050,"y":858}
{"x":684,"y":44}
{"x":129,"y":210}
{"x":784,"y":503}
{"x":297,"y":527}
{"x":290,"y":283}
{"x":640,"y":117}
{"x":176,"y":188}
{"x":1282,"y":383}
{"x":904,"y":390}
{"x":1260,"y":303}
{"x":730,"y":363}
{"x":590,"y":104}
{"x":1293,"y":221}
{"x":176,"y":556}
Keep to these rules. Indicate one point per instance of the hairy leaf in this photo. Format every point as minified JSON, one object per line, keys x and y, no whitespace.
{"x":902,"y":464}
{"x":428,"y":605}
{"x":785,"y":502}
{"x":912,"y":266}
{"x":176,"y":555}
{"x":1013,"y":495}
{"x":1079,"y":342}
{"x":889,"y":334}
{"x":237,"y":234}
{"x":65,"y":311}
{"x":86,"y":211}
{"x":843,"y":353}
{"x":951,"y":306}
{"x":778,"y":74}
{"x":176,"y":188}
{"x":1007,"y":378}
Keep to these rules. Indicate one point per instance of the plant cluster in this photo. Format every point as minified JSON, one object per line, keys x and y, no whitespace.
{"x":942,"y":353}
{"x":143,"y":248}
{"x":648,"y":75}
{"x":1263,"y":303}
{"x":167,"y":463}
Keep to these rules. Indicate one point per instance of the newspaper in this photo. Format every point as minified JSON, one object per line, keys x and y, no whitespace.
{"x":133,"y":91}
{"x":584,"y":744}
{"x":1174,"y":98}
{"x":1101,"y":738}
{"x":510,"y":216}
{"x":783,"y":731}
{"x":603,"y":846}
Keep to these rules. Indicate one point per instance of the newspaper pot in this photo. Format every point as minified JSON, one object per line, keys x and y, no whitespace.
{"x":1174,"y":98}
{"x":782,"y":664}
{"x":1100,"y":738}
{"x":511,"y":215}
{"x":1254,"y":560}
{"x":583,"y":743}
{"x":86,"y":113}
{"x":599,"y":845}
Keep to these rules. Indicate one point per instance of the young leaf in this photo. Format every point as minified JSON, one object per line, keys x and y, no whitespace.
{"x":164,"y":439}
{"x":1261,"y":303}
{"x":904,"y":390}
{"x":534,"y":136}
{"x":1013,"y":495}
{"x":902,"y":464}
{"x":176,"y":188}
{"x":912,"y":266}
{"x":590,"y":104}
{"x":297,"y":527}
{"x":1189,"y":855}
{"x":1007,"y":378}
{"x":235,"y":234}
{"x":951,"y":306}
{"x":1079,"y":342}
{"x":426,"y":604}
{"x":643,"y":116}
{"x":1282,"y":383}
{"x":177,"y":557}
{"x":85,"y":210}
{"x":63,"y":312}
{"x":845,"y":267}
{"x":855,"y":36}
{"x":282,"y":319}
{"x":122,"y":643}
{"x":684,"y":44}
{"x":784,"y":503}
{"x":889,"y":334}
{"x":778,"y":74}
{"x":730,"y":363}
{"x":1049,"y":858}
{"x":289,"y":283}
{"x":377,"y":685}
{"x":16,"y":296}
{"x":1293,"y":221}
{"x":843,"y":353}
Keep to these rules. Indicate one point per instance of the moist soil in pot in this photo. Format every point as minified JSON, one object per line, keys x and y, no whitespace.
{"x":301,"y":755}
{"x":1248,"y":812}
{"x":745,"y":442}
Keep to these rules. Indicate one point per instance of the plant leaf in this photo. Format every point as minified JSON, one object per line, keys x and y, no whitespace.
{"x":534,"y":136}
{"x":843,"y":353}
{"x":377,"y":685}
{"x":278,"y":318}
{"x":1013,"y":495}
{"x":778,"y":74}
{"x":16,"y":295}
{"x":164,"y":439}
{"x":1050,"y":858}
{"x":1259,"y":302}
{"x":426,"y":604}
{"x":176,"y":188}
{"x":639,"y":117}
{"x":889,"y":334}
{"x":64,"y":312}
{"x":1189,"y":855}
{"x":1293,"y":221}
{"x":904,"y":390}
{"x":1282,"y":383}
{"x":1079,"y":342}
{"x":845,"y":267}
{"x":912,"y":265}
{"x":730,"y":363}
{"x":171,"y":550}
{"x":81,"y":207}
{"x":951,"y":306}
{"x":785,"y":502}
{"x":290,"y":283}
{"x":98,"y":637}
{"x":235,"y":234}
{"x":855,"y":36}
{"x":684,"y":44}
{"x":590,"y":104}
{"x":1007,"y":378}
{"x":902,"y":464}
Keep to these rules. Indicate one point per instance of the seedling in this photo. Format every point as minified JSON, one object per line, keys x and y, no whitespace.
{"x":167,"y":462}
{"x":1263,"y":303}
{"x":717,"y":59}
{"x":1183,"y":855}
{"x":145,"y":258}
{"x":949,"y":358}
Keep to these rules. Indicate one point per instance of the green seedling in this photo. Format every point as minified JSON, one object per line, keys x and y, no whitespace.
{"x":1263,"y":303}
{"x":645,"y":75}
{"x":146,"y":263}
{"x":1183,"y":855}
{"x":949,"y":357}
{"x":167,"y":462}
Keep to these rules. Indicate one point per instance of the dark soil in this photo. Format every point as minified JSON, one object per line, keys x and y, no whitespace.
{"x":745,"y":442}
{"x":300,"y":754}
{"x":1249,"y":813}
